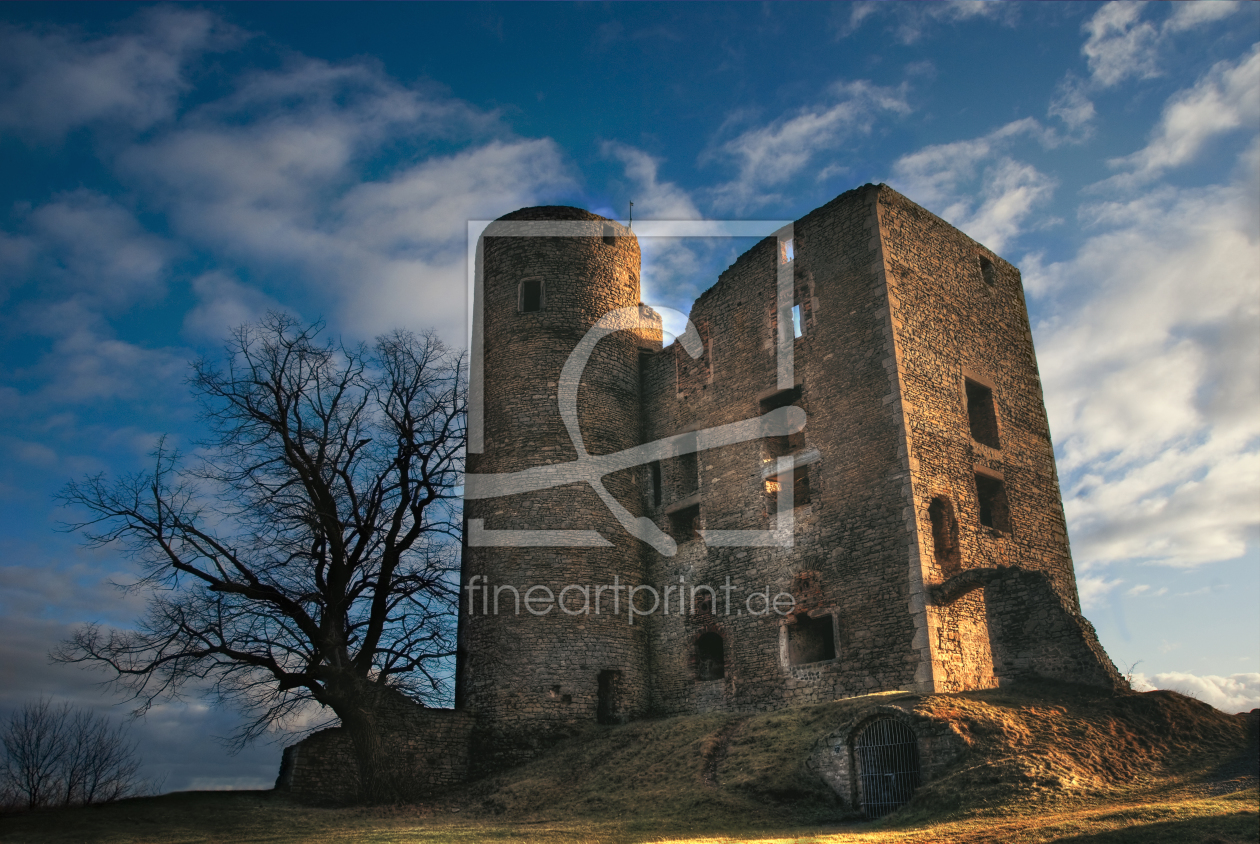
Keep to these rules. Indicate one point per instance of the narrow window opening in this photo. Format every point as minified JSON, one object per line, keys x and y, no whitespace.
{"x":684,"y":524}
{"x":995,"y":512}
{"x":781,"y":446}
{"x":945,"y":536}
{"x":655,"y":468}
{"x":887,"y":754}
{"x":610,"y":236}
{"x":531,"y":296}
{"x":982,"y":414}
{"x":797,"y":330}
{"x":710,"y":657}
{"x":987,"y":272}
{"x":688,"y":474}
{"x":787,"y":251}
{"x":811,"y":640}
{"x":686,"y":468}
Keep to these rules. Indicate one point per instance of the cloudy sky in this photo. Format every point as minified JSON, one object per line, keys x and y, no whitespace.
{"x":172,"y":171}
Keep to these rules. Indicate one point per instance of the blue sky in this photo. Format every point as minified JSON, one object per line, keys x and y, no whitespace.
{"x":172,"y":171}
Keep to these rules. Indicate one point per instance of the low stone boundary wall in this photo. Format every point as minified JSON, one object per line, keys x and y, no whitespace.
{"x":433,"y":745}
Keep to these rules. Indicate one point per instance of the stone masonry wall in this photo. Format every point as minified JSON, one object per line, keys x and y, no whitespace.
{"x":432,"y":746}
{"x":534,"y":676}
{"x":847,"y":564}
{"x":978,"y":432}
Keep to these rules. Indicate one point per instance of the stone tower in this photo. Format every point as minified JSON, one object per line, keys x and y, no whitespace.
{"x":528,"y":673}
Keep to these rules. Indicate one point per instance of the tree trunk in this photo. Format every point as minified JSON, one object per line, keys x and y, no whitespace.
{"x":368,"y":715}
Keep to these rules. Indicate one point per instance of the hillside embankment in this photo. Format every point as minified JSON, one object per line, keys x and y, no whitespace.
{"x":1022,"y":765}
{"x":1042,"y":742}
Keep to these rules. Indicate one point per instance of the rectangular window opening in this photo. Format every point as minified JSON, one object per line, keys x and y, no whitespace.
{"x":811,"y":640}
{"x":531,"y":295}
{"x":781,"y":446}
{"x":982,"y":414}
{"x":610,"y":236}
{"x":800,"y":488}
{"x":797,"y":330}
{"x":655,"y":468}
{"x":787,"y":251}
{"x":783,"y":398}
{"x":995,"y":511}
{"x":688,"y":474}
{"x":684,"y":525}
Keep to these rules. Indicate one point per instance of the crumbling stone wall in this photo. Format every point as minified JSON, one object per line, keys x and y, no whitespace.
{"x":1032,"y":631}
{"x":980,"y":445}
{"x":431,"y":747}
{"x":851,"y":537}
{"x":929,"y":548}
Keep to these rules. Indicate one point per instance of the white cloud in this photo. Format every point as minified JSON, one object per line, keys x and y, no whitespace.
{"x":1151,"y":369}
{"x":1189,"y":15}
{"x":1226,"y":99}
{"x":912,"y":21}
{"x":88,"y":364}
{"x":671,"y":267}
{"x":1235,"y":693}
{"x":769,"y":156}
{"x":654,"y":199}
{"x":274,"y":178}
{"x":93,"y":249}
{"x":1121,"y":45}
{"x":1094,"y":591}
{"x":976,"y":185}
{"x":1072,"y":106}
{"x":53,"y":82}
{"x":223,"y":303}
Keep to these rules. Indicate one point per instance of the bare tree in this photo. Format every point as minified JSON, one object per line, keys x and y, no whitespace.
{"x":311,"y":554}
{"x":62,"y":755}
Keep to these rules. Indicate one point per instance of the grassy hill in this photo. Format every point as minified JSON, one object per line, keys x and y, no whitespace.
{"x":1042,"y":762}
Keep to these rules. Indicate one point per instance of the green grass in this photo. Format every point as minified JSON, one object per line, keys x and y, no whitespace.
{"x":1052,"y":763}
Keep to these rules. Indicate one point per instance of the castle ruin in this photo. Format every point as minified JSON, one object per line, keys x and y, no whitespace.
{"x":914,"y":519}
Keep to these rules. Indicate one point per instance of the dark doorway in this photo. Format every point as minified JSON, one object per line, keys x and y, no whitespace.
{"x":888,"y":766}
{"x":610,"y":709}
{"x":710,"y":657}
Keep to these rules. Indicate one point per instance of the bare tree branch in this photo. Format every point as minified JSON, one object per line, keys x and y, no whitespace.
{"x":311,"y":554}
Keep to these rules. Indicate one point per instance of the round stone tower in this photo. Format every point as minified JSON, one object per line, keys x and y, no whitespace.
{"x":536,"y":659}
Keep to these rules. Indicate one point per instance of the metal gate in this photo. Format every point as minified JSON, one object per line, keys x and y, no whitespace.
{"x":888,"y":766}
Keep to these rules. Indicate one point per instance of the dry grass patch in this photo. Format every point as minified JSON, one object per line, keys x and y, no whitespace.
{"x":1038,"y":764}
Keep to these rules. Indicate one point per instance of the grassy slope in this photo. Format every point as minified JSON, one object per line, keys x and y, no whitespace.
{"x":1044,"y":763}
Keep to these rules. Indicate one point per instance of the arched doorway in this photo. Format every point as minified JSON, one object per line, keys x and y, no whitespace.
{"x":887,"y":756}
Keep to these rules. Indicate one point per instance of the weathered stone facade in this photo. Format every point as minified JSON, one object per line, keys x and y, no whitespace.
{"x":929,"y":551}
{"x":431,"y":747}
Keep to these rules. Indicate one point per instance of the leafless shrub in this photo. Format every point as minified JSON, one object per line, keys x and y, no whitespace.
{"x":60,"y":755}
